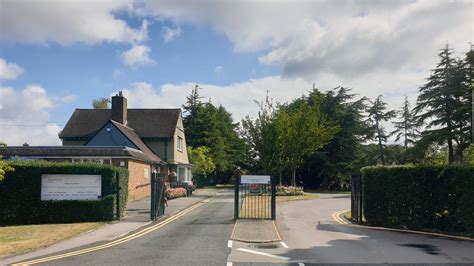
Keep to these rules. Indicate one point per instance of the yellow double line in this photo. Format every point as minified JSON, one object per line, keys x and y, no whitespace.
{"x":336,"y":216}
{"x":118,"y":241}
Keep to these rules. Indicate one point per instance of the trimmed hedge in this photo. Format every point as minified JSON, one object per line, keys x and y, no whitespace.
{"x":420,"y":197}
{"x":20,"y":194}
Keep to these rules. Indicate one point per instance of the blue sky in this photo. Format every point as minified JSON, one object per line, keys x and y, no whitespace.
{"x":56,"y":56}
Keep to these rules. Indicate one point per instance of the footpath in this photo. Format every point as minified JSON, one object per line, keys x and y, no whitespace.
{"x":137,"y":216}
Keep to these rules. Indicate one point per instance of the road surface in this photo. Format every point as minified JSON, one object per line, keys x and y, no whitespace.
{"x":309,"y":233}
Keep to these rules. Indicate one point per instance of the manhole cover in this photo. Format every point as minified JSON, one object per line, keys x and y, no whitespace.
{"x":267,"y":246}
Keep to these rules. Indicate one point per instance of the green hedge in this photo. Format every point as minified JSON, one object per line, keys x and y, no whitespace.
{"x":420,"y":197}
{"x":20,"y":194}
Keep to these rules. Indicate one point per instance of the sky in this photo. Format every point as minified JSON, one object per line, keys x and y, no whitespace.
{"x":56,"y":56}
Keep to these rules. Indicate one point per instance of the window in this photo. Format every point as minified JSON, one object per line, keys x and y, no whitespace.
{"x":180,"y":144}
{"x":181,"y":174}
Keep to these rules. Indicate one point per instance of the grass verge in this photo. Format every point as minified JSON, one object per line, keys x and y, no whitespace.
{"x":306,"y":196}
{"x":24,"y":238}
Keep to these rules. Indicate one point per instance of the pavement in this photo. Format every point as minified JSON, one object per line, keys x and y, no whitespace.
{"x":137,"y":215}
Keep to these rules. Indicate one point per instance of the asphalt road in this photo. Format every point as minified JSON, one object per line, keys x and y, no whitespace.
{"x":312,"y":236}
{"x":309,"y":232}
{"x":197,"y":238}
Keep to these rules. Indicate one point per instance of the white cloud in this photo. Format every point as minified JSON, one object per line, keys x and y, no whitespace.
{"x":346,"y":38}
{"x":66,"y":22}
{"x":138,"y":55}
{"x":218,"y":69}
{"x":66,"y":99}
{"x":170,"y":34}
{"x":9,"y":70}
{"x":25,"y":117}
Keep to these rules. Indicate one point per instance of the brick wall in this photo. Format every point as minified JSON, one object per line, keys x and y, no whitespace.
{"x":138,"y":183}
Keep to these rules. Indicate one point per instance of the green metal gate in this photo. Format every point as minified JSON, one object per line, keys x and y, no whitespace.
{"x":255,"y":198}
{"x":157,"y":208}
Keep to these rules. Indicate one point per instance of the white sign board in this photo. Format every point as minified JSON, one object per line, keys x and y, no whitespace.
{"x":71,"y":187}
{"x":255,"y":179}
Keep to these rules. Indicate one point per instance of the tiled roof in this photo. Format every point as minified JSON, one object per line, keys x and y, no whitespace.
{"x":76,"y":151}
{"x":147,"y":123}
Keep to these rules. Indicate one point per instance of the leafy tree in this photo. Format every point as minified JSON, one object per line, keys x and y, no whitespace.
{"x":407,"y":126}
{"x":4,"y":166}
{"x":101,"y":103}
{"x":332,"y":166}
{"x":302,"y":130}
{"x":442,"y":104}
{"x":261,"y":136}
{"x":212,"y":126}
{"x":201,"y":160}
{"x":377,"y":114}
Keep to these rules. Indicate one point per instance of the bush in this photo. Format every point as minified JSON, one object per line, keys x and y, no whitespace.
{"x":20,"y":194}
{"x":172,"y":193}
{"x":189,"y":186}
{"x":420,"y":197}
{"x":289,"y":191}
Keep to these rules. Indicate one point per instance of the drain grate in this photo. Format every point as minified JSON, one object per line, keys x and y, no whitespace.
{"x":266,"y":246}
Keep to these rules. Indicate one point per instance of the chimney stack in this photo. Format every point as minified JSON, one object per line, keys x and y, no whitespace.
{"x":119,"y":108}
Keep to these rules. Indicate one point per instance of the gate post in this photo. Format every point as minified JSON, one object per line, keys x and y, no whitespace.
{"x":236,"y":197}
{"x":153,"y":196}
{"x":272,"y":181}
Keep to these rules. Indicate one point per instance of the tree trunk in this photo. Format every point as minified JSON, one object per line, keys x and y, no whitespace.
{"x":280,"y":177}
{"x":382,"y":158}
{"x":294,"y":176}
{"x":450,"y":151}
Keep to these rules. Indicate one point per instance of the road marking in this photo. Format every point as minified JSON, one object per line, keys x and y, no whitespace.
{"x":115,"y":242}
{"x":300,"y":264}
{"x":229,"y":263}
{"x":229,"y":243}
{"x":284,"y":244}
{"x":263,"y":254}
{"x":338,"y":219}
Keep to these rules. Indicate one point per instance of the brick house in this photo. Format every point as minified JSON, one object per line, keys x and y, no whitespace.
{"x":141,"y":140}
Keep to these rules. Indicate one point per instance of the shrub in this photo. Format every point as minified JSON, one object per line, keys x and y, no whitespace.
{"x":289,"y":191}
{"x":20,"y":194}
{"x":420,"y":197}
{"x":172,"y":193}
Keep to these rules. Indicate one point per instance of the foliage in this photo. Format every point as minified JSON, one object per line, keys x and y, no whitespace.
{"x":20,"y":194}
{"x":172,"y":193}
{"x":332,"y":167}
{"x":212,"y":126}
{"x":469,"y":155}
{"x":407,"y":127}
{"x":4,"y":166}
{"x":444,"y":103}
{"x":377,"y":114}
{"x":101,"y":103}
{"x":201,"y":159}
{"x":302,"y":130}
{"x":420,"y":197}
{"x":289,"y":191}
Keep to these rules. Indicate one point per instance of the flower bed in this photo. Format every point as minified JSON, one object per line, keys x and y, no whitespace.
{"x":172,"y":193}
{"x":289,"y":191}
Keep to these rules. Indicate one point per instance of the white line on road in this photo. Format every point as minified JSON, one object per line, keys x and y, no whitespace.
{"x":229,"y":263}
{"x":263,"y":254}
{"x":300,"y":264}
{"x":284,"y":244}
{"x":229,"y":244}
